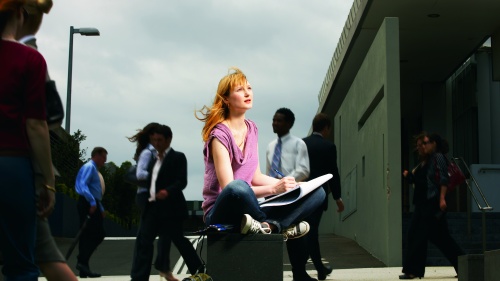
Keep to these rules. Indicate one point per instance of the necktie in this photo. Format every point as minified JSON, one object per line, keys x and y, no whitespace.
{"x":103,"y":185}
{"x":275,"y":165}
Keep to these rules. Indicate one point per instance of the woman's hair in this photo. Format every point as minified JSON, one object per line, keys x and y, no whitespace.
{"x":38,"y":6}
{"x":7,"y":9}
{"x":142,"y":137}
{"x":441,"y":144}
{"x":219,"y":110}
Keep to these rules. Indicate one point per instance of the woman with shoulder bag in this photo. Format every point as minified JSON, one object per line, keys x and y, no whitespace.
{"x":429,"y":218}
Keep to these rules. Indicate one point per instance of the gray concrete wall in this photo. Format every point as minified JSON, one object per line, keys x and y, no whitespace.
{"x":367,"y":134}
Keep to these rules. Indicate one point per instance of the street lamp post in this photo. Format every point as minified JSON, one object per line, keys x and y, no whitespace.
{"x":87,"y":31}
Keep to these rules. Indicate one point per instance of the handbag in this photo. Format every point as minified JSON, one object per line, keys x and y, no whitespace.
{"x":130,"y":176}
{"x":456,"y":177}
{"x":54,"y":107}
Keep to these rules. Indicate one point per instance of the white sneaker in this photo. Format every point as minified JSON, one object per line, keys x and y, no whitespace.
{"x":296,"y":231}
{"x":249,"y":225}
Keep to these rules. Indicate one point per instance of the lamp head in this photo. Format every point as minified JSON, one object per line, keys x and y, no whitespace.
{"x":87,"y":31}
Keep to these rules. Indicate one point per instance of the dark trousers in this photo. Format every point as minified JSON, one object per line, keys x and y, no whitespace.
{"x":155,"y":223}
{"x":93,"y":234}
{"x":162,"y":262}
{"x":298,"y":255}
{"x":17,"y":219}
{"x":313,"y":238}
{"x":429,"y":224}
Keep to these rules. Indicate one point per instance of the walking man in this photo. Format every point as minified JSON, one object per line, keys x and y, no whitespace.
{"x":89,"y":185}
{"x":165,"y":211}
{"x":322,"y":160}
{"x":287,"y":156}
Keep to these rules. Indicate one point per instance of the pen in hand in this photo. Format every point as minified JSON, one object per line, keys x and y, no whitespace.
{"x":279,"y":173}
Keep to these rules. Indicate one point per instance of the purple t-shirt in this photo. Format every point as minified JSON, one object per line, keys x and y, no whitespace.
{"x":243,"y":163}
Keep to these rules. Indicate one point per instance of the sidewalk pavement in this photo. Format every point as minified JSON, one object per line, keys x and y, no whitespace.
{"x":354,"y":274}
{"x":113,"y":259}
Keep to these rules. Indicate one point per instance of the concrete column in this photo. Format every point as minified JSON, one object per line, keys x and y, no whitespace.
{"x":495,"y":45}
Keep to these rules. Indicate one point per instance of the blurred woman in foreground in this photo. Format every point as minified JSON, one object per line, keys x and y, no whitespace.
{"x":24,"y":136}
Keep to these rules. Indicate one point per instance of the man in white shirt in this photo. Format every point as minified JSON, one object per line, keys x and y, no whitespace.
{"x":294,"y":160}
{"x":164,"y":213}
{"x":287,"y":156}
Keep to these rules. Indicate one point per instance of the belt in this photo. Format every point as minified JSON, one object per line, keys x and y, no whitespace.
{"x":142,"y":190}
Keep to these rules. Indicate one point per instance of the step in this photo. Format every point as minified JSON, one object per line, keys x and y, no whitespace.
{"x":491,"y":265}
{"x":471,"y":267}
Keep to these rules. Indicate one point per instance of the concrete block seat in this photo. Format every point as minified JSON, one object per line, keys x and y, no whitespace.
{"x":234,"y":256}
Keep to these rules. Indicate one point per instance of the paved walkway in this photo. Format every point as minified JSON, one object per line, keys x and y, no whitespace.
{"x":113,"y":259}
{"x":354,"y":274}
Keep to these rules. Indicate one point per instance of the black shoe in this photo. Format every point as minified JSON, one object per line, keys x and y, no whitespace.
{"x":325,"y":272}
{"x":201,"y":269}
{"x":86,"y":272}
{"x":409,"y":276}
{"x":304,"y":277}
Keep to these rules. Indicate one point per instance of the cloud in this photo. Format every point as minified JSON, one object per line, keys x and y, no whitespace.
{"x":161,"y":60}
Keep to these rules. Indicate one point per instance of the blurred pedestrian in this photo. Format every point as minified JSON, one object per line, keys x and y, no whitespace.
{"x":89,"y":185}
{"x":429,"y":223}
{"x":287,"y":156}
{"x":24,"y":138}
{"x":145,"y":155}
{"x":165,"y":210}
{"x":322,"y":160}
{"x":47,"y":255}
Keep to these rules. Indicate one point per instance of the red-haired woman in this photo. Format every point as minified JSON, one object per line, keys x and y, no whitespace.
{"x":233,"y":179}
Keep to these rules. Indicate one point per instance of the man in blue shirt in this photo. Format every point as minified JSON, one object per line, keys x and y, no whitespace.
{"x":89,"y":186}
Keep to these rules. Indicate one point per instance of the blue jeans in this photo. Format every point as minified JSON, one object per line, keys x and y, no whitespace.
{"x":238,"y":198}
{"x":17,"y":219}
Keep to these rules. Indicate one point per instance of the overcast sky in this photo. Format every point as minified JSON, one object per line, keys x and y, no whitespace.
{"x":160,"y":60}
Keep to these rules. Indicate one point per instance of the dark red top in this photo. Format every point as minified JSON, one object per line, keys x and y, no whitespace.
{"x":22,"y":93}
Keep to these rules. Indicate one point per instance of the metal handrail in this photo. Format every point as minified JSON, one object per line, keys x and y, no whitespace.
{"x":487,"y":207}
{"x":483,"y":209}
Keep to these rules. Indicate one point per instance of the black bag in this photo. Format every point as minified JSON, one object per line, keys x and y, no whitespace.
{"x":55,"y":110}
{"x":130,"y":176}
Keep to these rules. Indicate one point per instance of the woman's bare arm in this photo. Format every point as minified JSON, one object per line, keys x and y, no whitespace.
{"x":38,"y":135}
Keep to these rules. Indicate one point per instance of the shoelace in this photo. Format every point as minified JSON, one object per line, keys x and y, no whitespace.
{"x":291,"y":231}
{"x":258,"y":227}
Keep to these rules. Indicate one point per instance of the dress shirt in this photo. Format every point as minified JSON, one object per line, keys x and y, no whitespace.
{"x":103,"y":184}
{"x":88,"y":183}
{"x":154,"y":175}
{"x":143,"y":166}
{"x":294,"y":157}
{"x":27,"y":38}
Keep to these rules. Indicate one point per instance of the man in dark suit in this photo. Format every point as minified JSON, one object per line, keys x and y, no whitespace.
{"x":164,"y":212}
{"x":322,"y":160}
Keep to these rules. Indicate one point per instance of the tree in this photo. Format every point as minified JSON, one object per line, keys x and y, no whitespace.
{"x":67,"y":155}
{"x":120,"y":196}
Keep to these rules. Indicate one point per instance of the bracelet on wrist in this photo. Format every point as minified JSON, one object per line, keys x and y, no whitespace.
{"x":51,"y":188}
